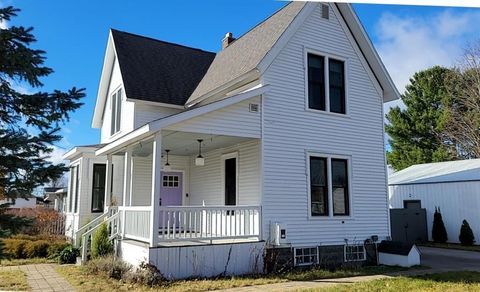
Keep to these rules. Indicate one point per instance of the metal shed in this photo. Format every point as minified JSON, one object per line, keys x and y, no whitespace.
{"x":452,"y":186}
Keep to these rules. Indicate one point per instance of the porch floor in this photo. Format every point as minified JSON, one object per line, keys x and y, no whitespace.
{"x":174,"y":243}
{"x":181,"y":243}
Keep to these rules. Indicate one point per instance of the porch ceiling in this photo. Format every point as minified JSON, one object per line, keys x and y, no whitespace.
{"x":185,"y":143}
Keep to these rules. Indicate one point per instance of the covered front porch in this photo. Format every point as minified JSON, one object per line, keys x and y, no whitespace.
{"x":174,"y":200}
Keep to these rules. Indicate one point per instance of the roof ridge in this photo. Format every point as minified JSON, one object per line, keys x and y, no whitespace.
{"x":161,"y":41}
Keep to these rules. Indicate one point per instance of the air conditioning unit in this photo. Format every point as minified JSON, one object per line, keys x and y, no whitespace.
{"x":278,"y":233}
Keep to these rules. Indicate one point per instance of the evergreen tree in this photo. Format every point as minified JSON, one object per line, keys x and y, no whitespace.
{"x":416,"y":131}
{"x":29,"y":122}
{"x":466,"y":234}
{"x":439,"y":233}
{"x":101,"y":244}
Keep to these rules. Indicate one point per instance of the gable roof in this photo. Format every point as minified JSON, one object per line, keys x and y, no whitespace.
{"x":246,"y":52}
{"x":439,"y":172}
{"x":255,"y":49}
{"x":158,"y":71}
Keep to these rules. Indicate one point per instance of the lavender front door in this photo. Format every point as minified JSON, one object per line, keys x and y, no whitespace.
{"x":170,"y":195}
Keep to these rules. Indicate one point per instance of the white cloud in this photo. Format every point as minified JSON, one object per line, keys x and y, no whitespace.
{"x":409,"y":44}
{"x":56,"y":155}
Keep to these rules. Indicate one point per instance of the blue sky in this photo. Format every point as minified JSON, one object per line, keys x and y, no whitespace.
{"x":74,"y":34}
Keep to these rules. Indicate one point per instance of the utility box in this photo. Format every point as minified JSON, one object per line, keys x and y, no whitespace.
{"x":278,"y":233}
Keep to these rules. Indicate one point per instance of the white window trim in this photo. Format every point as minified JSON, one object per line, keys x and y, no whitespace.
{"x":329,"y":157}
{"x":71,"y":191}
{"x":357,"y":260}
{"x":222,"y":161}
{"x":305,"y":264}
{"x":114,"y":92}
{"x":326,"y":57}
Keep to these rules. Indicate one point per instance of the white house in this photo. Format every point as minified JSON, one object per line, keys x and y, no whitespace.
{"x":452,"y":186}
{"x":208,"y":160}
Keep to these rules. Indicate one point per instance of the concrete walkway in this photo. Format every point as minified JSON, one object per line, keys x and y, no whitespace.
{"x":42,"y":277}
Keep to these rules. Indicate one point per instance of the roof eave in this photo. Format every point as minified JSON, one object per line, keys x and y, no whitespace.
{"x":390,"y":91}
{"x":247,"y":77}
{"x":108,"y":62}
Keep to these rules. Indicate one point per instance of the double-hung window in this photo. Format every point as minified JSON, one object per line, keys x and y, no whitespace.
{"x":116,"y":106}
{"x":329,"y":182}
{"x":326,"y":84}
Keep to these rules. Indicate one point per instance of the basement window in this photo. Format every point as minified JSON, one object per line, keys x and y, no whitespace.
{"x":354,"y":253}
{"x":305,"y":256}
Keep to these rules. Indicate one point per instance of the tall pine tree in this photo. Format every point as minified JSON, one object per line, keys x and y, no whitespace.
{"x":416,"y":131}
{"x":29,"y":123}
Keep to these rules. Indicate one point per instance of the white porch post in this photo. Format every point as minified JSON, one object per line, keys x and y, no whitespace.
{"x":156,"y":179}
{"x":108,"y":185}
{"x":126,"y":184}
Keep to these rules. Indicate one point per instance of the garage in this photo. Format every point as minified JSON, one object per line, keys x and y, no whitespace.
{"x":453,"y":187}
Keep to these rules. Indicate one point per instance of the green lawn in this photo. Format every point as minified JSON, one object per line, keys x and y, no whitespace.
{"x":13,"y":281}
{"x":451,"y":281}
{"x":80,"y":278}
{"x":451,"y":246}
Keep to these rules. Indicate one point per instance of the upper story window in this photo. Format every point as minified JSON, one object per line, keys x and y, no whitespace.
{"x":329,"y":182}
{"x":326,"y":73}
{"x":116,"y":106}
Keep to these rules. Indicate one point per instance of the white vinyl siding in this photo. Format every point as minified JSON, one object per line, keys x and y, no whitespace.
{"x":234,"y":120}
{"x":145,"y":113}
{"x":127,"y":110}
{"x":206,"y":183}
{"x":289,"y":132}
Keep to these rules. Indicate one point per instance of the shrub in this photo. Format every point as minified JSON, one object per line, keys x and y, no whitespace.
{"x":101,"y":244}
{"x":146,"y":274}
{"x":26,"y":246}
{"x":37,"y":249}
{"x":15,"y":248}
{"x":439,"y":233}
{"x":466,"y":234}
{"x":109,"y":266}
{"x":55,"y":248}
{"x":68,"y":255}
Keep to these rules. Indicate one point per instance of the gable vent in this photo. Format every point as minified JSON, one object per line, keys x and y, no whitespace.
{"x":253,"y":107}
{"x":325,"y":11}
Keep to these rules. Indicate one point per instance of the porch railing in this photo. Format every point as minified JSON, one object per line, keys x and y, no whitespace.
{"x":209,"y":222}
{"x":135,"y":222}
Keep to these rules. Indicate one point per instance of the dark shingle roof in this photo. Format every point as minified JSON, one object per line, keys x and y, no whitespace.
{"x":159,"y":71}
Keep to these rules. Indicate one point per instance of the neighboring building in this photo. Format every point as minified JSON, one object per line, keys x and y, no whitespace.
{"x":453,"y":186}
{"x":55,"y":196}
{"x":207,"y":159}
{"x":20,"y":202}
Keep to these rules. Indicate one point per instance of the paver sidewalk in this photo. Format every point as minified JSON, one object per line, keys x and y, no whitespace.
{"x":42,"y":277}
